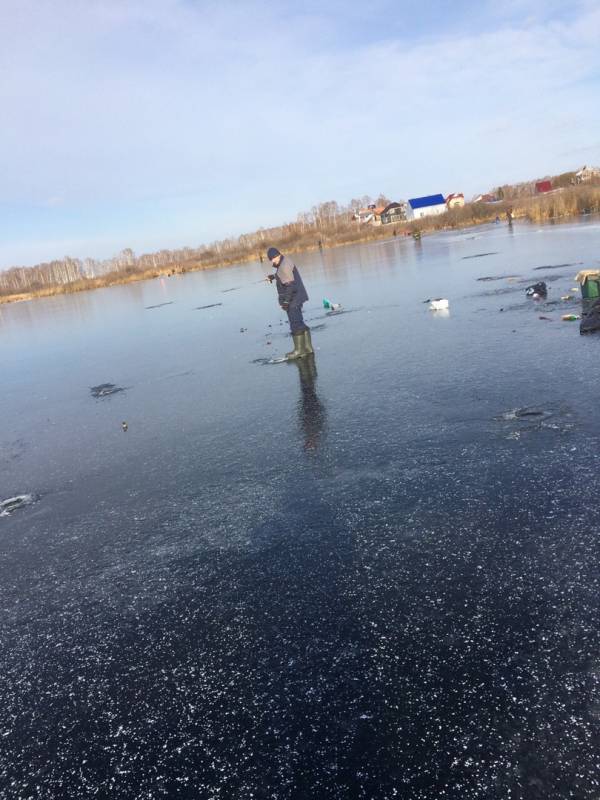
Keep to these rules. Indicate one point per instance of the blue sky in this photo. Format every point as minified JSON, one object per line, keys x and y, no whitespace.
{"x":165,"y":123}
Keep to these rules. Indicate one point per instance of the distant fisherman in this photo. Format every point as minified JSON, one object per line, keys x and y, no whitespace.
{"x":292,"y":295}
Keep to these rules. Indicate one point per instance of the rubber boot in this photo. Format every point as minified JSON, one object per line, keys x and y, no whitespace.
{"x":307,"y":343}
{"x":297,"y":352}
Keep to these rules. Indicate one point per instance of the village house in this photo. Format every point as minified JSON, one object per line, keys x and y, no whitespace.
{"x":485,"y":198}
{"x":455,"y":200}
{"x":431,"y":205}
{"x":586,"y":174}
{"x":381,"y":215}
{"x":541,"y":187}
{"x":365,"y":214}
{"x":375,"y":216}
{"x":377,"y":212}
{"x":393,"y":213}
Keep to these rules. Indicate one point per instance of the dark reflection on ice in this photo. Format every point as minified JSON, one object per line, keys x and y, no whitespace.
{"x":311,"y":411}
{"x":210,"y":305}
{"x":159,"y":305}
{"x":590,"y":322}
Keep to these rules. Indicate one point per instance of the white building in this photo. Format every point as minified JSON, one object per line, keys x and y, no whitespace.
{"x":429,"y":206}
{"x":587,"y":174}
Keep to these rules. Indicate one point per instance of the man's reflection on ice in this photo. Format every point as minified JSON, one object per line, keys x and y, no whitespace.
{"x":311,"y":411}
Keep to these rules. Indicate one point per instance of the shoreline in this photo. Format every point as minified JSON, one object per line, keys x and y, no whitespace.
{"x":426,"y":226}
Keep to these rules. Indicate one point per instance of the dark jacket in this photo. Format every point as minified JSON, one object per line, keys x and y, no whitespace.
{"x":290,"y":288}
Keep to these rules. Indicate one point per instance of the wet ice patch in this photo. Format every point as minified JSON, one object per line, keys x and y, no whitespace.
{"x":15,"y":503}
{"x":547,"y":278}
{"x":541,"y":304}
{"x":274,"y":360}
{"x":498,"y":278}
{"x":105,"y":390}
{"x":559,"y":266}
{"x":497,"y":292}
{"x":336,"y":313}
{"x":531,"y":418}
{"x":524,"y":413}
{"x":171,"y":376}
{"x":480,"y":255}
{"x":165,"y":534}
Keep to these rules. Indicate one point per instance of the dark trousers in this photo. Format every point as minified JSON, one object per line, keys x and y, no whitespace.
{"x":297,"y":324}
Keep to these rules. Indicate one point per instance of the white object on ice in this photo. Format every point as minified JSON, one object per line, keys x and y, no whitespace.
{"x":439,"y":304}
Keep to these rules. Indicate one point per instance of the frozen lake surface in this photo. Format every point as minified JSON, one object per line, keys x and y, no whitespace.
{"x":374,"y":575}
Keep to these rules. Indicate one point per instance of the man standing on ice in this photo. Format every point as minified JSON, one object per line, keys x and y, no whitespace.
{"x":292,"y":295}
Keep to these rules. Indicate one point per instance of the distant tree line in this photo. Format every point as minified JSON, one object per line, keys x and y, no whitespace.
{"x":326,"y":224}
{"x":328,"y":219}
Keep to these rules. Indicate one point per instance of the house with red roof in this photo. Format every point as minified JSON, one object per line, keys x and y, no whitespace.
{"x":455,"y":200}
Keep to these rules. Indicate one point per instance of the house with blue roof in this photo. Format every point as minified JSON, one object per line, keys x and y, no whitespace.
{"x":426,"y":206}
